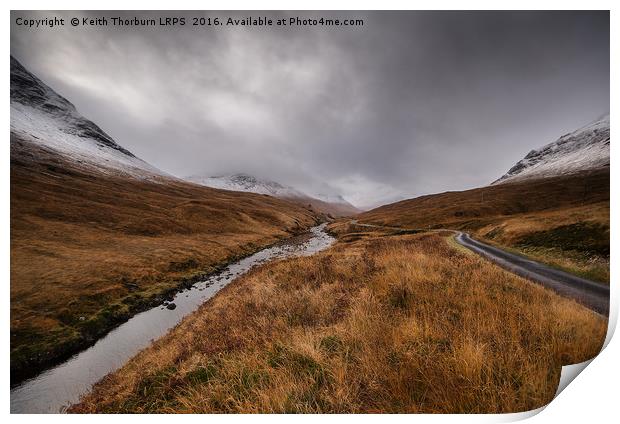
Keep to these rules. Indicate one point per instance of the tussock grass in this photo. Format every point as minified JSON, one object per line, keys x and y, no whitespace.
{"x":378,"y":324}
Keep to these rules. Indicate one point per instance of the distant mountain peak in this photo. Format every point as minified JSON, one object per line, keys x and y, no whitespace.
{"x":332,"y":203}
{"x":584,"y":149}
{"x":247,"y":182}
{"x":332,"y":198}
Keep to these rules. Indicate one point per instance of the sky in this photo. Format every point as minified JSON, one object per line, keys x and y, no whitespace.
{"x":410,"y":103}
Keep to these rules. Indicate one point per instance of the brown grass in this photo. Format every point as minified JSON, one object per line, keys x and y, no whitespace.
{"x":563,"y":221}
{"x":378,"y":323}
{"x":574,"y":239}
{"x":89,"y":250}
{"x":473,"y":208}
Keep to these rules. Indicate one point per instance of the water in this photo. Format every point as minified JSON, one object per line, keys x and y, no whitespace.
{"x":55,"y":389}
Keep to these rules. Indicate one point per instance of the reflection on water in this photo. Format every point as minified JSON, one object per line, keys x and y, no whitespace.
{"x":61,"y":386}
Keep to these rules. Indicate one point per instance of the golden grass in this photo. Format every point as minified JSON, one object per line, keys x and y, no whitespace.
{"x":562,"y":221}
{"x":583,"y":250}
{"x":89,"y":250}
{"x":378,"y":323}
{"x":472,"y":209}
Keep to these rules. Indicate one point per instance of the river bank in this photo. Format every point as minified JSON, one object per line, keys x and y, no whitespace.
{"x":49,"y":391}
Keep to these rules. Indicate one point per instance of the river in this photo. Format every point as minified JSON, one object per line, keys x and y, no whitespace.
{"x":56,"y":388}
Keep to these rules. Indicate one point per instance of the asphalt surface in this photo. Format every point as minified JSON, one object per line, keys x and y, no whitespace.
{"x":591,"y":294}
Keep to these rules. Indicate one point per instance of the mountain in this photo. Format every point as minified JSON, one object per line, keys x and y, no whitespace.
{"x":333,"y":198}
{"x":334,"y":205}
{"x":97,"y":234}
{"x":245,"y":182}
{"x":569,"y":173}
{"x":42,"y":117}
{"x":585,"y":149}
{"x":552,"y":206}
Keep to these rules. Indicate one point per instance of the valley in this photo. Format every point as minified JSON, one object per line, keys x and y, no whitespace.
{"x":370,"y":325}
{"x":88,"y":251}
{"x":98,"y":234}
{"x":109,"y":252}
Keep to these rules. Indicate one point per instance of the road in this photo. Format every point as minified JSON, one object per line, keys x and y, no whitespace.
{"x":593,"y":295}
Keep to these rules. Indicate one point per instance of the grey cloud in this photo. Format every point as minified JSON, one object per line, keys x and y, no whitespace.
{"x":410,"y":103}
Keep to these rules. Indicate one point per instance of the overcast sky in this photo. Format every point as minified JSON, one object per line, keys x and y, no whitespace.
{"x":410,"y":103}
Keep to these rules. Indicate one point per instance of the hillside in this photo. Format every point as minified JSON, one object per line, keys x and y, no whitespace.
{"x":334,"y":205}
{"x":585,"y":149}
{"x":98,"y":234}
{"x":563,"y":221}
{"x":471,"y":209}
{"x":44,"y":118}
{"x":553,"y":205}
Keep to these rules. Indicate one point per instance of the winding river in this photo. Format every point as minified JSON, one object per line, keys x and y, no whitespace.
{"x":55,"y":389}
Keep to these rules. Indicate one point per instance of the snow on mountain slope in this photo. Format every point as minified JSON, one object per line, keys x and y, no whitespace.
{"x":333,"y":198}
{"x":41,"y":116}
{"x":582,"y":150}
{"x":244,"y":182}
{"x":334,"y":204}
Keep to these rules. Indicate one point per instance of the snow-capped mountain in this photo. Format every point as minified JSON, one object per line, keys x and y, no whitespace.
{"x":582,"y":150}
{"x":333,"y":204}
{"x":245,"y":182}
{"x":42,"y":117}
{"x":332,"y":198}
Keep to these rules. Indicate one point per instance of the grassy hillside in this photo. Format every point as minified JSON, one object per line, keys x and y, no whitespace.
{"x":563,"y":221}
{"x":88,"y":250}
{"x":378,"y":323}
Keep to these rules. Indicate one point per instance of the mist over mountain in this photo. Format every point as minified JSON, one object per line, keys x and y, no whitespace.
{"x":329,"y":203}
{"x":378,"y":112}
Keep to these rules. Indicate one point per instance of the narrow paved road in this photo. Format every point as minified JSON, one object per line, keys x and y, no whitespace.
{"x":593,"y":295}
{"x":589,"y":293}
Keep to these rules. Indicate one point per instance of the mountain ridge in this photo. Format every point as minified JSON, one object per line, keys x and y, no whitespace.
{"x":41,"y":116}
{"x":584,"y":149}
{"x":333,"y":204}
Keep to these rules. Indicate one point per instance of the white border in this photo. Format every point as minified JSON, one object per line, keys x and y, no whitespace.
{"x":591,"y":398}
